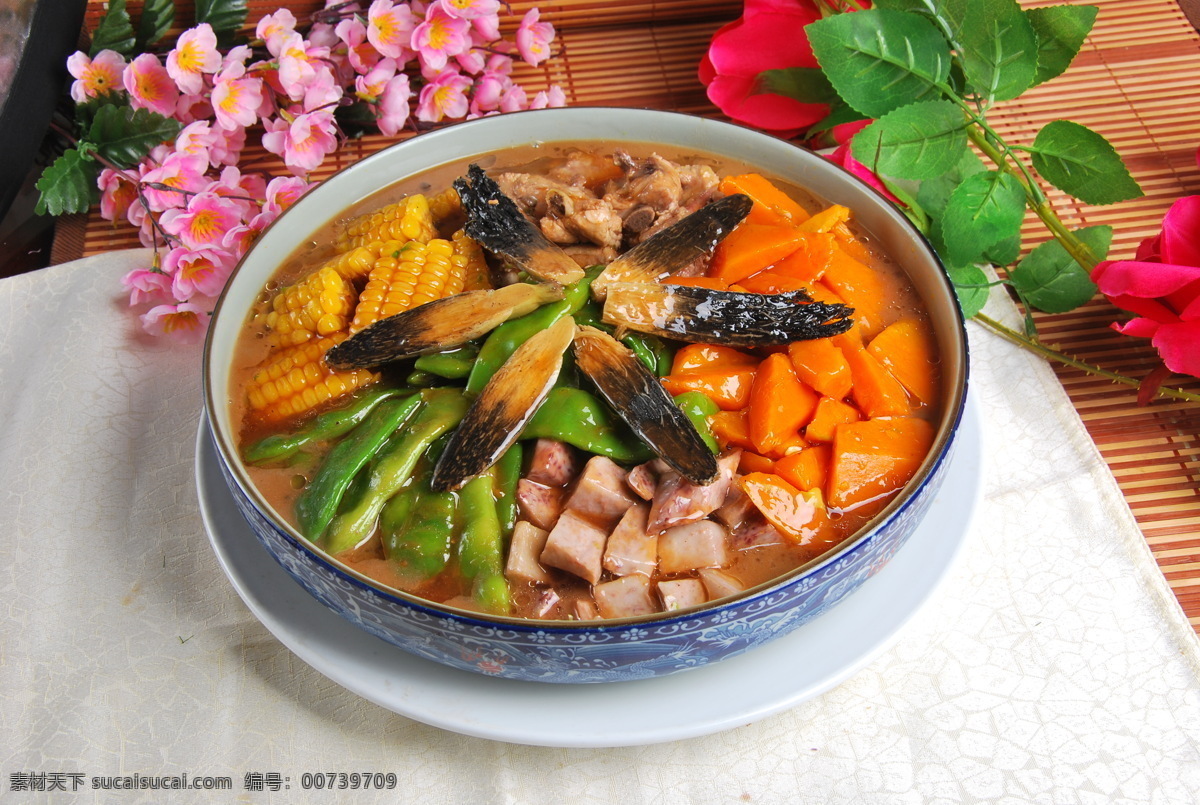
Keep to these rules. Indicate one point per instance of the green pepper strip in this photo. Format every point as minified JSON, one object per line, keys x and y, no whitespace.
{"x":481,"y":546}
{"x":507,"y":472}
{"x":421,"y":544}
{"x":504,"y":340}
{"x":319,"y":501}
{"x":579,"y":418}
{"x":444,"y":409}
{"x":453,"y":364}
{"x":328,"y":425}
{"x":642,"y":350}
{"x":698,"y":408}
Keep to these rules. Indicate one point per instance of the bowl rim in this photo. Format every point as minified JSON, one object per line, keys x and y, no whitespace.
{"x":938,"y":453}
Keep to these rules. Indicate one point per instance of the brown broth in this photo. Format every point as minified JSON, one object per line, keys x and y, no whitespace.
{"x":281,"y":485}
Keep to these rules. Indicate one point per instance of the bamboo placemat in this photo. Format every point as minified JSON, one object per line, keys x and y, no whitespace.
{"x":1135,"y":82}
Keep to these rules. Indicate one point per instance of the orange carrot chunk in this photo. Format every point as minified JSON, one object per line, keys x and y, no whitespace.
{"x":810,"y":260}
{"x":750,"y":248}
{"x":876,"y":392}
{"x":821,"y":365}
{"x":829,"y":414}
{"x":827,"y":219}
{"x":728,"y":388}
{"x":749,"y":462}
{"x":710,"y":357}
{"x":860,"y":287}
{"x":771,"y":281}
{"x":807,"y":469}
{"x":873,"y":458}
{"x":907,"y":349}
{"x":850,"y":243}
{"x":731,"y":429}
{"x":780,"y":404}
{"x":799,"y":516}
{"x":771,"y":205}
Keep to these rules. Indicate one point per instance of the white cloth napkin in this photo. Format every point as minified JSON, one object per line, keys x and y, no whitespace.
{"x":1054,"y":665}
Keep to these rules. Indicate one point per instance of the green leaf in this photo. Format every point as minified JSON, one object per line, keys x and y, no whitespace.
{"x":1051,"y":280}
{"x":1081,"y":162}
{"x":124,"y":136}
{"x":66,"y":186}
{"x":1060,"y":31}
{"x":804,"y":84}
{"x":114,"y":31}
{"x":947,"y":15}
{"x":999,"y":49}
{"x":918,"y":141}
{"x":157,"y":18}
{"x":983,"y":210}
{"x":225,"y":16}
{"x":879,"y":60}
{"x":839,"y":113}
{"x":934,"y":194}
{"x":1005,"y":251}
{"x":971,"y":288}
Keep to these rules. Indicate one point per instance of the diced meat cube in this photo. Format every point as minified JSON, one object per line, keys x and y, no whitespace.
{"x":681,"y":593}
{"x":539,"y":504}
{"x":630,"y":549}
{"x":678,"y":500}
{"x":755,"y":532}
{"x":737,"y":507}
{"x":692,"y":546}
{"x":642,"y":480}
{"x":546,"y":604}
{"x":526,"y":546}
{"x":553,"y":463}
{"x":585,"y":610}
{"x":575,"y":545}
{"x":601,"y":492}
{"x":625,"y":597}
{"x":719,"y":583}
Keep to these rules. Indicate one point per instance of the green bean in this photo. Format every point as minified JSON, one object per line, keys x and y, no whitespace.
{"x":329,"y":425}
{"x":422,"y":544}
{"x":481,"y":546}
{"x":698,"y":408}
{"x":418,"y":379}
{"x":582,"y":419}
{"x":507,"y":471}
{"x":452,"y":364}
{"x":443,"y":409}
{"x":318,"y":503}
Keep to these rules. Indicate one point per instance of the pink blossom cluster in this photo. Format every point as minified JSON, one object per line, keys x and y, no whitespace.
{"x":411,"y":64}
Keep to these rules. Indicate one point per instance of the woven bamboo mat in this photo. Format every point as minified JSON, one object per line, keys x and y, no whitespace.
{"x":1135,"y":82}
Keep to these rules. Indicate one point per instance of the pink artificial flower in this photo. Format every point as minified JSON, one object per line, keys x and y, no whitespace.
{"x":361,"y":53}
{"x":553,"y":97}
{"x":487,"y":27}
{"x":440,"y":37}
{"x":198,"y":272}
{"x":148,"y":285}
{"x":184,"y":172}
{"x":394,"y":107}
{"x":95,"y":77}
{"x":184,"y":322}
{"x":534,"y":38}
{"x":471,"y":9}
{"x":390,"y":29}
{"x":150,"y":86}
{"x":304,"y":142}
{"x":193,"y":107}
{"x":195,"y":55}
{"x":514,"y":99}
{"x":239,"y":192}
{"x":770,"y":35}
{"x":297,"y":66}
{"x":1162,"y":287}
{"x":273,"y":29}
{"x":842,"y":135}
{"x":203,"y":222}
{"x":323,"y":91}
{"x":489,"y":89}
{"x":369,"y":87}
{"x":283,"y":191}
{"x":236,"y":99}
{"x":117,"y":193}
{"x":444,"y":97}
{"x":239,"y":239}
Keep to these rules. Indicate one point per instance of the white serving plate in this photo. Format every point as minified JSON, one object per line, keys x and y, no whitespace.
{"x":738,"y":691}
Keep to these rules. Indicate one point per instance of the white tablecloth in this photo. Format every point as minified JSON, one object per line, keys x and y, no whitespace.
{"x":1052,"y":666}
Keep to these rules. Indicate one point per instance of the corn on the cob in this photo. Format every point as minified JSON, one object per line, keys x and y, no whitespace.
{"x":320,"y":304}
{"x":476,"y":276}
{"x":407,"y":219}
{"x":407,"y":275}
{"x":295,"y":380}
{"x":356,"y":263}
{"x":445,"y":205}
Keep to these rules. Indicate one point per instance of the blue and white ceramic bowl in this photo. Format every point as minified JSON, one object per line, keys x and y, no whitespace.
{"x":598,"y":651}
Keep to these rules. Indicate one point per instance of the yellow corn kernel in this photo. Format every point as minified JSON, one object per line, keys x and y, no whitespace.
{"x":320,"y":304}
{"x":295,"y":380}
{"x":405,"y":220}
{"x":445,"y":205}
{"x":407,"y":275}
{"x":476,"y":276}
{"x":356,"y":263}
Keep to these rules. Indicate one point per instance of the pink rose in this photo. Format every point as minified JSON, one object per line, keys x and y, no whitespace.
{"x":1161,"y":286}
{"x":768,"y":36}
{"x":842,"y":135}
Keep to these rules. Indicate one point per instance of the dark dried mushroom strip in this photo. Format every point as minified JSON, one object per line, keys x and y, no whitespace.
{"x":706,"y":316}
